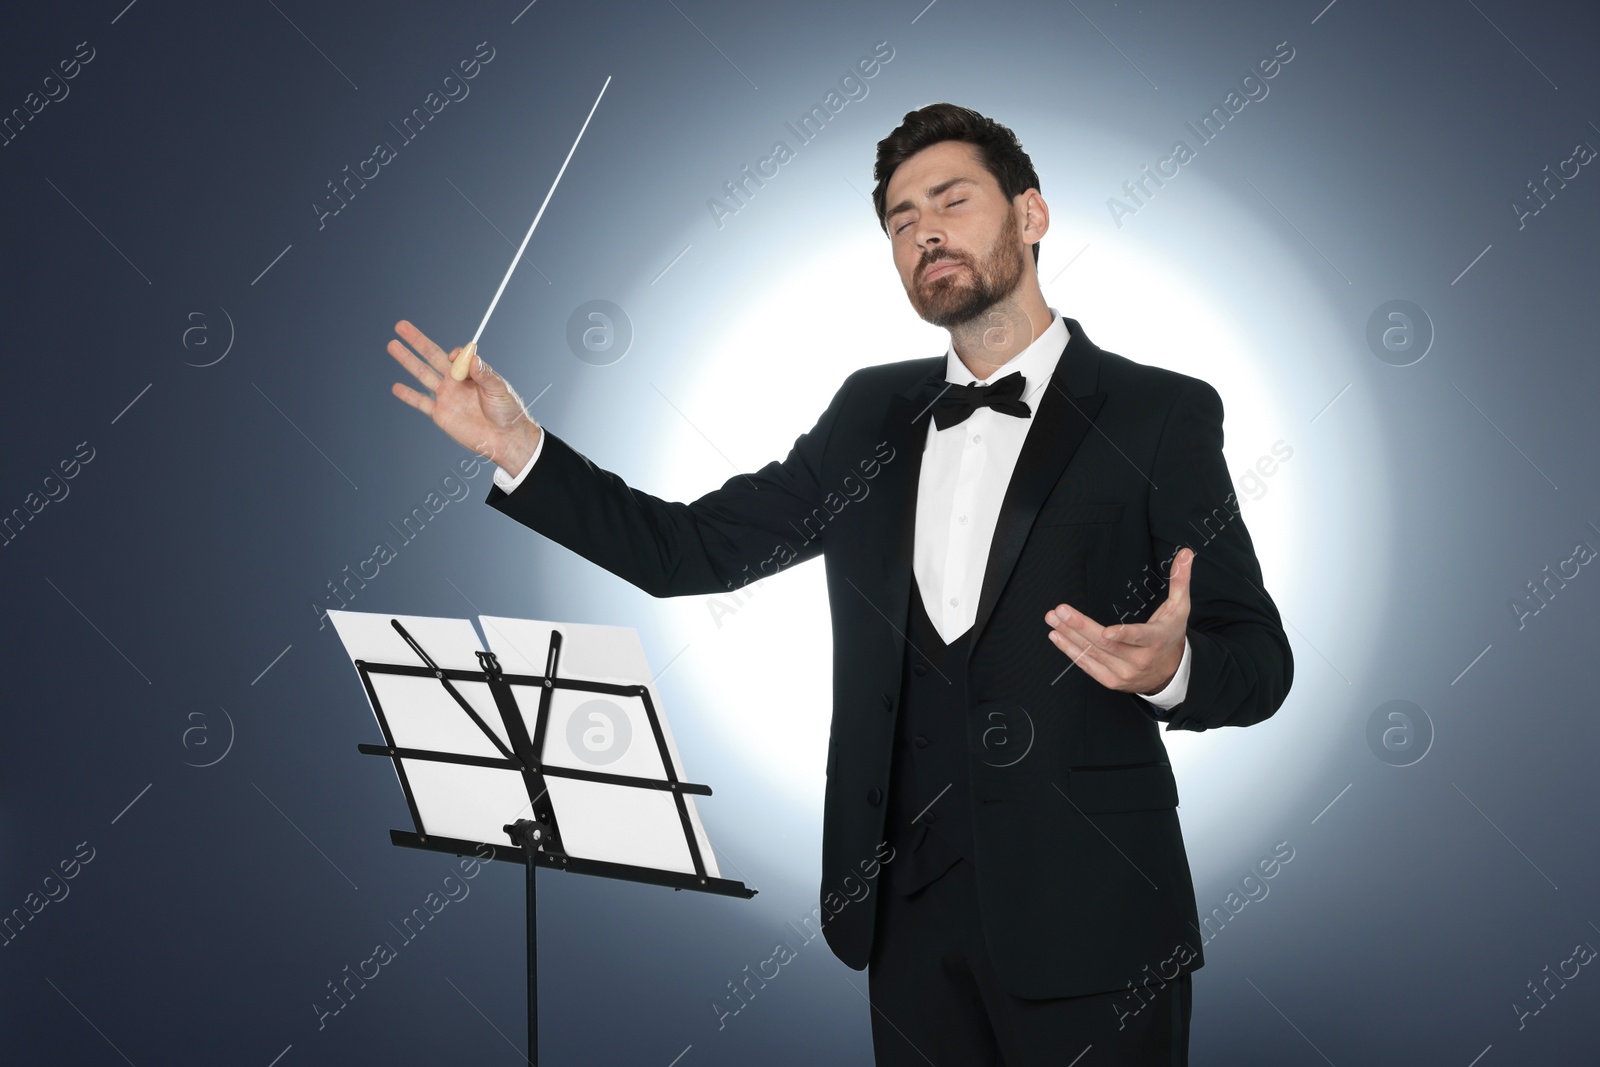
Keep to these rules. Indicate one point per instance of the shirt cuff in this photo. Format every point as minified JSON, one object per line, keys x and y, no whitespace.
{"x":1174,"y":692}
{"x":508,"y":482}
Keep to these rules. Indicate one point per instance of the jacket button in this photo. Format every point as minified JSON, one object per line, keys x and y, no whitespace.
{"x":929,"y":817}
{"x":919,"y":669}
{"x":888,"y":702}
{"x":874,"y":796}
{"x":921,"y":742}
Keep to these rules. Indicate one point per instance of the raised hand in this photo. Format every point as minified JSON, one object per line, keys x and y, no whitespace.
{"x":1136,"y":657}
{"x":482,"y":412}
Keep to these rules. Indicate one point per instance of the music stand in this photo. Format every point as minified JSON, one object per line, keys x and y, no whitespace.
{"x":551,"y":749}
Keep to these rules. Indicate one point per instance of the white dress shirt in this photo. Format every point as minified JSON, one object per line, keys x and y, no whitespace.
{"x":965,"y":471}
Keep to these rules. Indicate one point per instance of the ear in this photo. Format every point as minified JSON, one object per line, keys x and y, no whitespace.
{"x":1036,"y":216}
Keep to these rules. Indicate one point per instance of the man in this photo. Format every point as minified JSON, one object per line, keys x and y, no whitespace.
{"x":1003,"y":648}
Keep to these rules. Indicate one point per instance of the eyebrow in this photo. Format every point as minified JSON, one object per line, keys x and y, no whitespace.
{"x":933,"y":190}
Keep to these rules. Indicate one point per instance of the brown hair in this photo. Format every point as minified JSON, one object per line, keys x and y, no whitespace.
{"x":997,"y":146}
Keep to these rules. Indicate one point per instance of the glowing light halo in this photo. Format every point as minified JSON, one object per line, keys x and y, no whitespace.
{"x":763,"y":659}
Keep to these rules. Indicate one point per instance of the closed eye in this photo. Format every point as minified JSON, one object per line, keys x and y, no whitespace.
{"x":952,"y":203}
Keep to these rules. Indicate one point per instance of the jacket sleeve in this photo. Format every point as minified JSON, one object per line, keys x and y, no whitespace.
{"x":750,"y":528}
{"x":1241,"y":667}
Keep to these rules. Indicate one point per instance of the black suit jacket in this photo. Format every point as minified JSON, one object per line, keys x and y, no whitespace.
{"x":1082,"y":876}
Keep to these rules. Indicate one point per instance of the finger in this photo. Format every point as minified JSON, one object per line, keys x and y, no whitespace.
{"x":419,"y":370}
{"x":1066,"y":615}
{"x":491,"y":384}
{"x":424,"y":346}
{"x":1083,"y":655}
{"x":1178,"y":580}
{"x":414,"y":398}
{"x":486,"y":375}
{"x":1117,"y":660}
{"x":1132,"y":633}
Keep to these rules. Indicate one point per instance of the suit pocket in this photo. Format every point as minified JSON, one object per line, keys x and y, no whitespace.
{"x":1127,"y":787}
{"x":1074,"y":514}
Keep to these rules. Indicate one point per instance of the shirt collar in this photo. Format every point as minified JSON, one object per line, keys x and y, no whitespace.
{"x":1037,"y":362}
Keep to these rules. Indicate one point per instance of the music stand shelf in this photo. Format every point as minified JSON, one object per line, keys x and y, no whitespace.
{"x":463,"y":779}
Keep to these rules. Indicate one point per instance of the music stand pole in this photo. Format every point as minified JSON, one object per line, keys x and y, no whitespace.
{"x":526,"y":833}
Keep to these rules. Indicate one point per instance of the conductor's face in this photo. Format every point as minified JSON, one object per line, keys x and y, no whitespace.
{"x":954,"y":234}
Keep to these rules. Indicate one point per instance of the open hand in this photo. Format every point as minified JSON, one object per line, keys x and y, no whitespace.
{"x":481,"y":412}
{"x":1138,"y":657}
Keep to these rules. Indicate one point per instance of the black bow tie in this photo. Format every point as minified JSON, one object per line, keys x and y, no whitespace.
{"x":957,"y":402}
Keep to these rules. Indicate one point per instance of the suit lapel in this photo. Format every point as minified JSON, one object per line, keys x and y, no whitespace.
{"x":905,"y":428}
{"x":1064,"y":412}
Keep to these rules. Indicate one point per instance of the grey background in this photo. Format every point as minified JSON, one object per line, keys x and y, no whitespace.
{"x":161,"y":613}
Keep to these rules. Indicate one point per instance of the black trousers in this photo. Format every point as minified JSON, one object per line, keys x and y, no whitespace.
{"x":935,"y":999}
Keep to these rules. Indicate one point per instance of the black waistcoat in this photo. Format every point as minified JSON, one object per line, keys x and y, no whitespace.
{"x":930,"y":811}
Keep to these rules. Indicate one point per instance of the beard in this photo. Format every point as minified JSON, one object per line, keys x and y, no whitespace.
{"x":966,"y":292}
